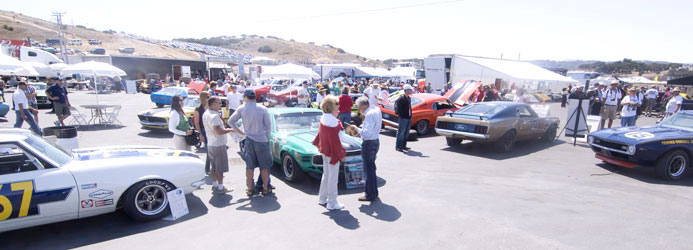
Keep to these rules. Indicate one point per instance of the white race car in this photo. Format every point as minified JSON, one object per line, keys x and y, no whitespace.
{"x":41,"y":183}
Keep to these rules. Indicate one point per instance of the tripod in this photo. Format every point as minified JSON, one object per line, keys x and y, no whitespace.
{"x":578,"y":114}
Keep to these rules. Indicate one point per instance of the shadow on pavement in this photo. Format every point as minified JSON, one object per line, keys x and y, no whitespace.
{"x":343,"y":218}
{"x":645,"y":174}
{"x":92,"y":230}
{"x":311,"y":183}
{"x":220,"y":200}
{"x":381,"y":211}
{"x":156,"y":134}
{"x":415,"y":154}
{"x":259,"y":204}
{"x":488,"y":151}
{"x":99,"y":127}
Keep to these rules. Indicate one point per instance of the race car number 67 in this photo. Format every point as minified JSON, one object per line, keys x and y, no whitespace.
{"x":6,"y":205}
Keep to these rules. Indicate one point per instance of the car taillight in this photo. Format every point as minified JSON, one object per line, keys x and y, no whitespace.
{"x":481,"y":130}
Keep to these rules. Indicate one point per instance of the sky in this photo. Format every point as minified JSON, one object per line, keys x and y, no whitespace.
{"x":529,"y":29}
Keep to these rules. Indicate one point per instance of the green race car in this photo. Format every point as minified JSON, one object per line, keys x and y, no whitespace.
{"x":293,"y":131}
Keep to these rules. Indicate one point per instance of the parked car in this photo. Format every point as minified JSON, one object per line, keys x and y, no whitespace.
{"x":286,"y":96}
{"x":293,"y":131}
{"x":75,"y":42}
{"x":666,"y":147}
{"x":501,"y":122}
{"x":425,"y":109}
{"x":157,"y":118}
{"x":126,"y":50}
{"x":41,"y":98}
{"x":4,"y":109}
{"x":163,"y":97}
{"x":50,"y":184}
{"x":94,"y":42}
{"x":98,"y":51}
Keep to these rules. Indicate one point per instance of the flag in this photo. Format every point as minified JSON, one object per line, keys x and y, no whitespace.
{"x":656,"y":79}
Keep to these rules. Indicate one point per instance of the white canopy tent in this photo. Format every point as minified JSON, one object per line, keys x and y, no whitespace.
{"x":288,"y":71}
{"x":92,"y":68}
{"x":13,"y":66}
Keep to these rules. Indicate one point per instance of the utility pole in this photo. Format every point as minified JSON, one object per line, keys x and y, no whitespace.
{"x":61,"y":34}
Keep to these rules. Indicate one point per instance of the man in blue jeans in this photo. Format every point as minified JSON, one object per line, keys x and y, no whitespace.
{"x":22,"y":109}
{"x":369,"y":132}
{"x":403,"y":110}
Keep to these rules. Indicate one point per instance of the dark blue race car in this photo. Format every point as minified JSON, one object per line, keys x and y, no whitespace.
{"x":668,"y":146}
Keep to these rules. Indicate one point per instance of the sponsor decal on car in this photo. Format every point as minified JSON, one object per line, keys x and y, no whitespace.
{"x":100,"y":194}
{"x":675,"y":142}
{"x":101,"y":203}
{"x":20,"y":199}
{"x":88,"y":186}
{"x":87,"y":203}
{"x":639,"y":135}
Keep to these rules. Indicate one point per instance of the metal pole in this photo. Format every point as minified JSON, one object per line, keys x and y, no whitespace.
{"x":61,"y":35}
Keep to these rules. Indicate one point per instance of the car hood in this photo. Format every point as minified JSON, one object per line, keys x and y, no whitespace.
{"x":637,"y":135}
{"x":112,"y":152}
{"x":349,"y":143}
{"x":158,"y":112}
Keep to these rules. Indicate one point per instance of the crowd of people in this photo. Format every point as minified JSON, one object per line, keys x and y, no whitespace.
{"x":25,"y":103}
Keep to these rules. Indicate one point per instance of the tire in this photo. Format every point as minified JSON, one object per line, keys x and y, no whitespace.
{"x":550,"y":134}
{"x":290,"y":103}
{"x":159,"y":105}
{"x":292,"y":172}
{"x":673,"y":165}
{"x":452,"y":141}
{"x":140,"y":196}
{"x":421,"y":127}
{"x":505,"y":144}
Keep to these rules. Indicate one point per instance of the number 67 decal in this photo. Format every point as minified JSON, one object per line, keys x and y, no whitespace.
{"x":19,"y":199}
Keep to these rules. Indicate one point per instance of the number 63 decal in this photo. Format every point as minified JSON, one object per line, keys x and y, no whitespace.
{"x":20,"y":199}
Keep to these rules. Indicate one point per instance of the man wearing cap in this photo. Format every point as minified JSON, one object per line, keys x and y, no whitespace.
{"x":58,"y":94}
{"x":403,"y":111}
{"x":651,"y":95}
{"x":675,"y":102}
{"x":612,"y":100}
{"x":257,"y":127}
{"x":630,"y":105}
{"x":22,"y":109}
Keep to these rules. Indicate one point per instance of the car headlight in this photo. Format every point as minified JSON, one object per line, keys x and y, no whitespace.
{"x":631,"y":149}
{"x":590,"y":140}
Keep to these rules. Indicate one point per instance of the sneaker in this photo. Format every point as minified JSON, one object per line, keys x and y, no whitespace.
{"x":336,"y":207}
{"x":222,"y":190}
{"x":57,"y":123}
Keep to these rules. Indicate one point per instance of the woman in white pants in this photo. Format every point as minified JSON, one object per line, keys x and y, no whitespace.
{"x":179,"y":124}
{"x":333,"y":153}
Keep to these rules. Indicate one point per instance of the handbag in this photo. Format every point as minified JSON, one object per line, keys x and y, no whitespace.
{"x":193,"y":138}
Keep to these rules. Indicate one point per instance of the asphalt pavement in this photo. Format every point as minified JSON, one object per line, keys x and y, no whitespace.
{"x":539,"y":196}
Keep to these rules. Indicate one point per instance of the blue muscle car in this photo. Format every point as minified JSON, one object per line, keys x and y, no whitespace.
{"x":163,"y":97}
{"x":668,"y":146}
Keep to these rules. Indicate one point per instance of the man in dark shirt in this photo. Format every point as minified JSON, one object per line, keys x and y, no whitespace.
{"x":403,"y":110}
{"x":58,"y":94}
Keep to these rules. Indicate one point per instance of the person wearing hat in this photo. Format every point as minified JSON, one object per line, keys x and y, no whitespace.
{"x":321,"y":96}
{"x":651,"y":95}
{"x":629,"y":107}
{"x":675,"y":102}
{"x":257,"y":127}
{"x":61,"y":103}
{"x":595,"y":102}
{"x":403,"y":111}
{"x":611,"y":99}
{"x":23,"y":111}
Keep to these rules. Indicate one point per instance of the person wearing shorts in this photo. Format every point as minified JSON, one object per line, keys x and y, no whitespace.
{"x":61,"y":104}
{"x":257,"y":127}
{"x":611,"y":99}
{"x":216,"y":144}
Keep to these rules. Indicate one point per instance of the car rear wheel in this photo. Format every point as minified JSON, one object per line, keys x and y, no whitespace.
{"x":506,"y":143}
{"x":421,"y":127}
{"x":159,"y":105}
{"x":147,"y":200}
{"x":673,"y":165}
{"x":550,"y":134}
{"x":292,"y":171}
{"x":452,"y":141}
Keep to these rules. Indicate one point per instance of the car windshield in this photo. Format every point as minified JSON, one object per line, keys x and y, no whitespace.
{"x":482,"y":108}
{"x":39,"y":86}
{"x":679,"y":121}
{"x":292,"y":121}
{"x":50,"y":150}
{"x":191,"y":102}
{"x":415,"y":101}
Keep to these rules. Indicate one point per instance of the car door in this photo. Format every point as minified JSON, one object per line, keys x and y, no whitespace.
{"x":526,"y":122}
{"x":32,"y":190}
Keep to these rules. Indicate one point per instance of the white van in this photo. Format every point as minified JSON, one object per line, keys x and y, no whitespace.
{"x":28,"y":54}
{"x":75,"y":42}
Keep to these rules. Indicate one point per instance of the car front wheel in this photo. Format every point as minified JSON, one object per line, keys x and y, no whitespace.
{"x":673,"y":165}
{"x":421,"y":127}
{"x":292,"y":171}
{"x":147,"y":200}
{"x":159,"y":105}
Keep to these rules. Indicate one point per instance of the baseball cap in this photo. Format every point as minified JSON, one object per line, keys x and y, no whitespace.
{"x":408,"y":87}
{"x":249,"y":93}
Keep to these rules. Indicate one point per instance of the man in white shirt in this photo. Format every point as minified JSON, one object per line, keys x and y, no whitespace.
{"x":302,"y":95}
{"x":216,"y":144}
{"x":675,"y":102}
{"x":373,"y":94}
{"x":611,"y":99}
{"x":233,"y":100}
{"x":226,"y":88}
{"x":369,"y":132}
{"x":630,"y":105}
{"x":384,"y":95}
{"x":651,"y":95}
{"x":22,"y":109}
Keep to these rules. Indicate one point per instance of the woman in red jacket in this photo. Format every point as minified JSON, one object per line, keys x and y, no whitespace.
{"x":330,"y":147}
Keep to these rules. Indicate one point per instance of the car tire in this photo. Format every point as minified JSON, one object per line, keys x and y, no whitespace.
{"x":550,"y":134}
{"x":290,"y":103}
{"x":673,"y":165}
{"x":159,"y":105}
{"x":505,"y":144}
{"x":421,"y":127}
{"x":291,"y":170}
{"x":147,"y":200}
{"x":452,"y":141}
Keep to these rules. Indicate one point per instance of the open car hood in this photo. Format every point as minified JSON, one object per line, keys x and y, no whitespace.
{"x":461,"y":91}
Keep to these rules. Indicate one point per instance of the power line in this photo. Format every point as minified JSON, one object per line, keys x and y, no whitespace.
{"x":360,"y":11}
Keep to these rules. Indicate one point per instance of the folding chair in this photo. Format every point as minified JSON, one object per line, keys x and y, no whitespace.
{"x":77,"y":117}
{"x":112,"y":116}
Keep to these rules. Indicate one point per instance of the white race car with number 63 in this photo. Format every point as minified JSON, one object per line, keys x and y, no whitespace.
{"x":40,"y":183}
